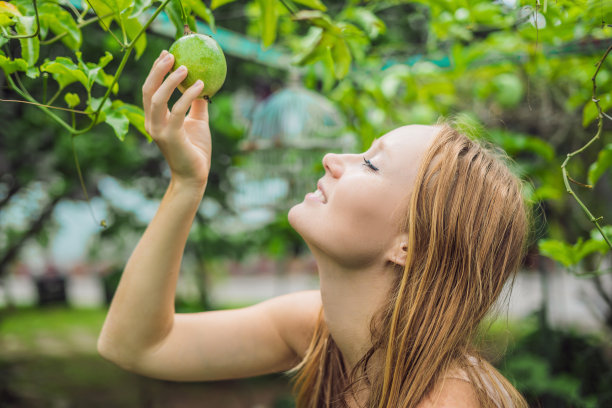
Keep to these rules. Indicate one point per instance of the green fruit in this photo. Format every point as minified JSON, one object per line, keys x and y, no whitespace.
{"x":204,"y":60}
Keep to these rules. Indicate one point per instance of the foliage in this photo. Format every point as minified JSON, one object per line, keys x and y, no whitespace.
{"x":570,"y":255}
{"x":535,"y":75}
{"x":560,"y":367}
{"x":477,"y":36}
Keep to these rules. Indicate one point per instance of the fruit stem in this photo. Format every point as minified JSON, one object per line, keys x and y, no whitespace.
{"x":187,"y":30}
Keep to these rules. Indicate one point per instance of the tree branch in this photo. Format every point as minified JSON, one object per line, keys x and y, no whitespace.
{"x":565,"y":173}
{"x":35,"y":228}
{"x":15,"y":187}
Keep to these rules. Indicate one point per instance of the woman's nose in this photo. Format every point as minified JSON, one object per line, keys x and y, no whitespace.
{"x":333,"y":164}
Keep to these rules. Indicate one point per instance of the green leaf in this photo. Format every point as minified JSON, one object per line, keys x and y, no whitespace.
{"x":65,"y":72}
{"x":7,"y":12}
{"x":139,"y":7}
{"x":95,"y":72}
{"x":557,"y":250}
{"x":508,"y":90}
{"x":94,"y":104}
{"x":589,"y":246}
{"x":118,"y":115}
{"x":32,"y":72}
{"x":596,"y":235}
{"x":101,"y":8}
{"x":515,"y":143}
{"x":8,"y":8}
{"x":132,"y":28}
{"x":329,"y":70}
{"x":59,"y":22}
{"x":218,"y":3}
{"x":318,"y":50}
{"x":200,"y":9}
{"x":604,"y":162}
{"x":9,"y":66}
{"x":269,"y":20}
{"x":342,"y":58}
{"x":118,"y":6}
{"x":314,"y":4}
{"x":118,"y":121}
{"x":316,"y":18}
{"x":29,"y":46}
{"x":367,"y":20}
{"x":134,"y":114}
{"x":568,"y":254}
{"x":6,"y":20}
{"x":72,"y":99}
{"x":349,"y":31}
{"x":547,"y":192}
{"x":105,"y":59}
{"x":486,"y":13}
{"x":173,"y":10}
{"x":589,"y":113}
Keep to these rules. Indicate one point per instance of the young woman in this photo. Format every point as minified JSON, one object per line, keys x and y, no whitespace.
{"x":414,"y":241}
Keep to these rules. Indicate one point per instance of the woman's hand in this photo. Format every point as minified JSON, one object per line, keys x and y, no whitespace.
{"x":184,"y":141}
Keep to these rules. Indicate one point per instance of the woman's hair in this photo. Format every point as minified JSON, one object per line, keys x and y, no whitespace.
{"x":467,"y":224}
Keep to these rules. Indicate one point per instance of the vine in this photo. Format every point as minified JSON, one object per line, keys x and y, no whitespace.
{"x":564,"y":171}
{"x":127,"y":50}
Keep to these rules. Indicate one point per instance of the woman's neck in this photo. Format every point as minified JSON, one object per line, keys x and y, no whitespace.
{"x":350,"y":300}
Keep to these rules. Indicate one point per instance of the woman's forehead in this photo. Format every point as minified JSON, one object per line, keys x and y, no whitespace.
{"x":414,"y":131}
{"x":410,"y":136}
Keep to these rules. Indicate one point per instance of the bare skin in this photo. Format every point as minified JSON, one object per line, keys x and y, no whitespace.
{"x":142,"y":332}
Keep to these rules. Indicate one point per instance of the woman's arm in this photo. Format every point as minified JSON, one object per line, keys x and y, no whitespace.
{"x":141,"y":331}
{"x":142,"y":311}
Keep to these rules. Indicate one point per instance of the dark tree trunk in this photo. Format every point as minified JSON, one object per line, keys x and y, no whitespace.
{"x":35,"y":228}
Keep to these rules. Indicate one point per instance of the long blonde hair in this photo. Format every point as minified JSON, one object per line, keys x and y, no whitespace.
{"x":467,"y":223}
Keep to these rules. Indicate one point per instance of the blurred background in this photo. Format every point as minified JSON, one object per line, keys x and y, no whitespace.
{"x":517,"y":74}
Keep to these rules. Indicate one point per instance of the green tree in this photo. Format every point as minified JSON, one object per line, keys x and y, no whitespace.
{"x":536,"y":75}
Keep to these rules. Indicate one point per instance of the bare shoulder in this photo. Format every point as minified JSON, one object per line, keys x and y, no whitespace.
{"x":295,"y":317}
{"x":451,"y":393}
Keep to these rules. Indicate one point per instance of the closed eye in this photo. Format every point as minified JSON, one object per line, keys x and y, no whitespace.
{"x":369,"y":164}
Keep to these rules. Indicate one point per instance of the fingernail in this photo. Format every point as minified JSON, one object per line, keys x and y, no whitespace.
{"x":161,"y":54}
{"x":182,"y":69}
{"x":168,"y":58}
{"x":198,"y":83}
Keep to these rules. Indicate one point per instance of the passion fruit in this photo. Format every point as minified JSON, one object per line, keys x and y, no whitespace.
{"x":204,"y":60}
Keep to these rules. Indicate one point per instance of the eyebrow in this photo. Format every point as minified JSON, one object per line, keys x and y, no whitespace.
{"x":378,"y":143}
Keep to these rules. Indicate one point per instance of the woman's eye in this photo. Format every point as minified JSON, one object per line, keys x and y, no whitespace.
{"x":369,"y":164}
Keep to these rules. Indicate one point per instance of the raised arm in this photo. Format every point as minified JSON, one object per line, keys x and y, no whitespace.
{"x":141,"y":332}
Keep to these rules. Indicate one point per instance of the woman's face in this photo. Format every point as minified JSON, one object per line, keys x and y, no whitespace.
{"x":355,"y":215}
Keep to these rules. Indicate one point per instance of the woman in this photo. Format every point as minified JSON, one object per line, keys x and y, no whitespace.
{"x":414,"y":240}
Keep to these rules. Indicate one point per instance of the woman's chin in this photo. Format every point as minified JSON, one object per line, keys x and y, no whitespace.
{"x":293,"y":216}
{"x":300,"y":220}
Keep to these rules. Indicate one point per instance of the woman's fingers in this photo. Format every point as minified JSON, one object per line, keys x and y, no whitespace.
{"x":199,"y":109}
{"x":159,"y":100}
{"x":179,"y":110}
{"x":160,"y":68}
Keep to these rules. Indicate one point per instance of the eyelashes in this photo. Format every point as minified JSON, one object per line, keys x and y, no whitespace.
{"x":369,"y":164}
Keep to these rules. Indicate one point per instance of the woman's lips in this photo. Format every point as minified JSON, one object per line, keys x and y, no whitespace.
{"x":318,"y":194}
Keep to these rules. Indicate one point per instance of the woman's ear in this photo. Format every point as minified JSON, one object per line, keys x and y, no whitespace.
{"x":399,"y":249}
